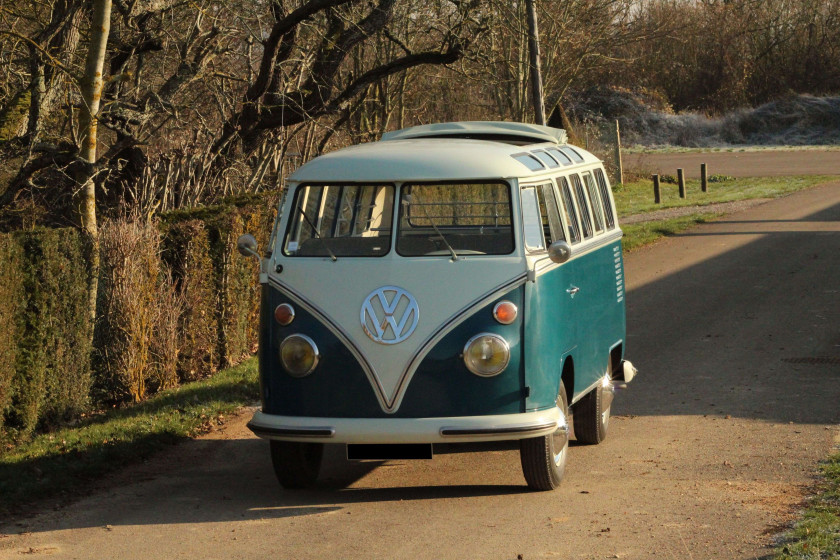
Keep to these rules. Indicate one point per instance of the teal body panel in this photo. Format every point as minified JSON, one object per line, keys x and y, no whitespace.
{"x":442,"y":386}
{"x":583,"y":327}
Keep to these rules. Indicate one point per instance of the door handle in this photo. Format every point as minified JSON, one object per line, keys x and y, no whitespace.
{"x":573,"y":290}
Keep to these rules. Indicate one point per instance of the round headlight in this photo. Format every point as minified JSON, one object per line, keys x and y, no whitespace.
{"x":299,"y":355}
{"x":486,"y":354}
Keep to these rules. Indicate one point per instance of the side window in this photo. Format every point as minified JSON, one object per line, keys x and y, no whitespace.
{"x":552,"y":226}
{"x":597,"y":211}
{"x":605,"y":198}
{"x":580,"y":196}
{"x":569,"y":210}
{"x":532,"y":221}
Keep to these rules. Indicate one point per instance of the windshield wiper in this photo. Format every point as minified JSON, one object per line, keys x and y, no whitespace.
{"x":406,"y":201}
{"x":317,"y":234}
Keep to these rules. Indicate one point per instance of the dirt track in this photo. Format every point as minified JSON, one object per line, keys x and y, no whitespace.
{"x":763,"y":163}
{"x":713,"y":447}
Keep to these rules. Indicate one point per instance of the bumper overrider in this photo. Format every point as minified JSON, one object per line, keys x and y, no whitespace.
{"x":408,"y":430}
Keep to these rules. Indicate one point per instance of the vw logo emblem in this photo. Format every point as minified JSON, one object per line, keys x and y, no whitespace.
{"x":389,"y":315}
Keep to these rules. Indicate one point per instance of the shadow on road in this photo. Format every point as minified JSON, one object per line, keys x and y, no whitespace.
{"x":719,"y":337}
{"x":216,"y":481}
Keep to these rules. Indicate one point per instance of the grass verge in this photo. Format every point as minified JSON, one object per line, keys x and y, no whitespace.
{"x":637,"y":197}
{"x":817,"y":535}
{"x":61,"y":463}
{"x":644,"y":233}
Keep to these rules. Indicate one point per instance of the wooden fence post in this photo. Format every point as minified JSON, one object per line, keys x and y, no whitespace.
{"x":657,"y":193}
{"x":681,"y":181}
{"x":704,"y":178}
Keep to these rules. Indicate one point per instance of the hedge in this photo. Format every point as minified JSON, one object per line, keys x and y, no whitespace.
{"x":11,"y":292}
{"x":52,"y":376}
{"x":235,"y":278}
{"x":175,"y":302}
{"x":186,"y":253}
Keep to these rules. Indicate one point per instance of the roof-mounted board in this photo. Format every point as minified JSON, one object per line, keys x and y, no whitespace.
{"x":490,"y":130}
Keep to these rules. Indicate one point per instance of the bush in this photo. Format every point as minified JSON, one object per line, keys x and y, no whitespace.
{"x":167,"y":338}
{"x":52,"y":380}
{"x":127,"y":310}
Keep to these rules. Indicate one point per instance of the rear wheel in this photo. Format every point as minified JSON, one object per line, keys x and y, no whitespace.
{"x":544,"y":458}
{"x":592,"y":413}
{"x":296,"y":464}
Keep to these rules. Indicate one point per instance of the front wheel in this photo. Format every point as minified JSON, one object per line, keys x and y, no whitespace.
{"x":592,"y":413}
{"x":296,"y":464}
{"x":544,"y":458}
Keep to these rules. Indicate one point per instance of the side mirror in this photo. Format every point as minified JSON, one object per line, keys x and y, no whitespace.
{"x":559,"y":252}
{"x":247,"y":246}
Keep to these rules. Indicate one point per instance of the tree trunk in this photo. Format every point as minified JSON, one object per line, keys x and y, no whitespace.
{"x":534,"y":70}
{"x":100,"y":27}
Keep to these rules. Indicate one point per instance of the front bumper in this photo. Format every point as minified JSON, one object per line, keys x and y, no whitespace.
{"x":458,"y":429}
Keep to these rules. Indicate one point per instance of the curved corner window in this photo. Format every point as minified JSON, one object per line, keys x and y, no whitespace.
{"x":532,"y":220}
{"x":340,"y":220}
{"x":467,"y":218}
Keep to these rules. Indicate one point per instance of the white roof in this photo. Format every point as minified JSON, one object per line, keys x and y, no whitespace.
{"x":431,"y":159}
{"x":476,"y":129}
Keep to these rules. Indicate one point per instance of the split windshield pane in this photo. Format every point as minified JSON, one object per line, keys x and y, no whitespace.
{"x":469,"y":218}
{"x":351,"y":220}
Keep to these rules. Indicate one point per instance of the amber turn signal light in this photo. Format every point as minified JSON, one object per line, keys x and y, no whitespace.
{"x":505,"y":312}
{"x":284,"y":314}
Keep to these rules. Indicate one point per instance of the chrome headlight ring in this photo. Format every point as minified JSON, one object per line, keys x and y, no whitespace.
{"x":487,"y":354}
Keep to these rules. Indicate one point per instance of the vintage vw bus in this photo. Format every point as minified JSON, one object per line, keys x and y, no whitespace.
{"x":452,"y":283}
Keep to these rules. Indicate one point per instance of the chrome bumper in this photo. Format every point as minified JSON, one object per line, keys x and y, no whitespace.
{"x":455,"y":429}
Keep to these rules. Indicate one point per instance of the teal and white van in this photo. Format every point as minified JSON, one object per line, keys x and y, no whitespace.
{"x":453,"y":283}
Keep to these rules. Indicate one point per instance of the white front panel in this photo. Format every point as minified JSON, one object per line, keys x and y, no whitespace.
{"x":441,"y":288}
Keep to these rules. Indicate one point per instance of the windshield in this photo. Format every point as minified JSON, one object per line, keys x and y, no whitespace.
{"x":351,"y":220}
{"x":467,"y":218}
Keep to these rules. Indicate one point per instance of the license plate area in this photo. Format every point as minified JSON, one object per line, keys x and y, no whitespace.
{"x":388,"y":451}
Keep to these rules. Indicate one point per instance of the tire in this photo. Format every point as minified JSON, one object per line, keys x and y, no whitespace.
{"x":544,"y":458}
{"x":591,"y":414}
{"x":296,"y":464}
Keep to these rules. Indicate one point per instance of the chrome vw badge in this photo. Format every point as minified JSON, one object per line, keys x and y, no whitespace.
{"x":390,"y":315}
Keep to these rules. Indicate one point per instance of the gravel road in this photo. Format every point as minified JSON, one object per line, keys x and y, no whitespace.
{"x":713,"y":447}
{"x":763,"y":163}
